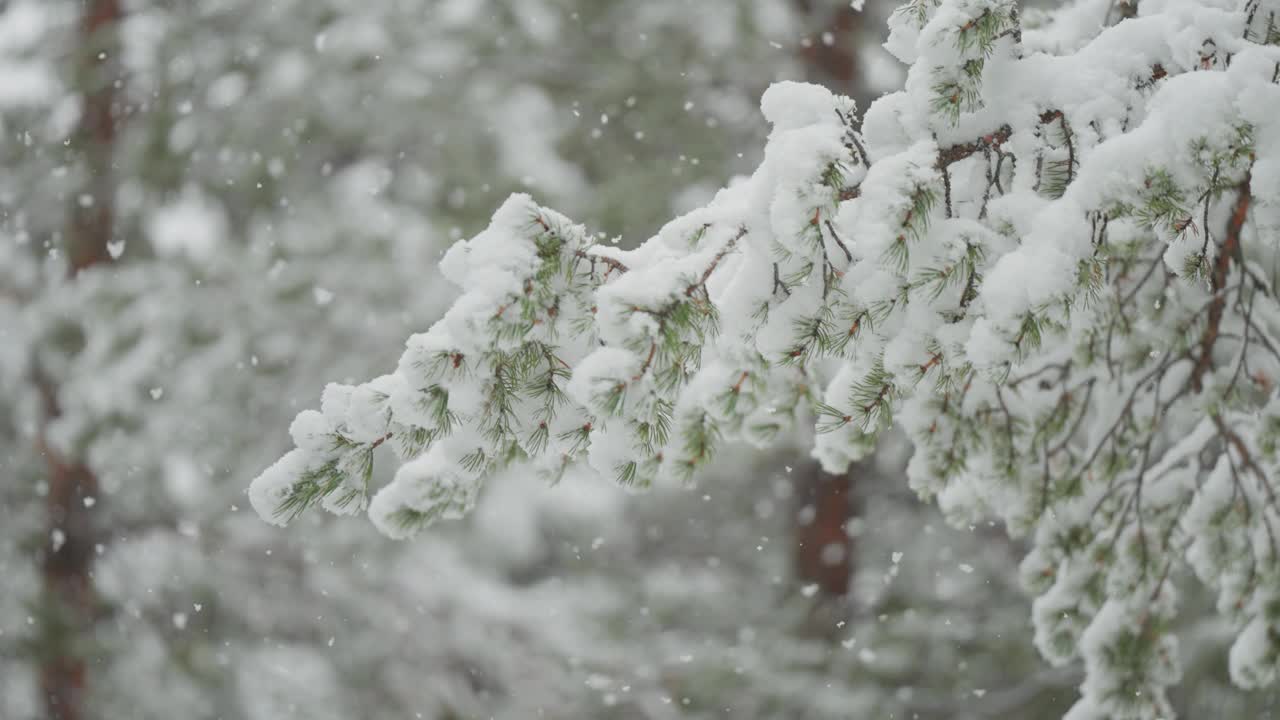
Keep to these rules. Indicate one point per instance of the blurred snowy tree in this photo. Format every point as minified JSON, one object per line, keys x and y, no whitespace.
{"x":208,"y":206}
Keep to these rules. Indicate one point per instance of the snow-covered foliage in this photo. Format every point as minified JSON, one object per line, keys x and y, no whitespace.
{"x":1049,"y":259}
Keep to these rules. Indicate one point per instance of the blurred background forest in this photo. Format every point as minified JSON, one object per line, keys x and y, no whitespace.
{"x":210,"y":209}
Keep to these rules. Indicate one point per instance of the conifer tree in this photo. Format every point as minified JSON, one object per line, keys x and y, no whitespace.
{"x":1048,"y":259}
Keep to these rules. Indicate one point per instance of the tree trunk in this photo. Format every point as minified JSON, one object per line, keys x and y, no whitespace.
{"x":92,"y":219}
{"x":831,"y":55}
{"x":824,"y":551}
{"x":823,"y":547}
{"x":67,"y":568}
{"x":68,"y":587}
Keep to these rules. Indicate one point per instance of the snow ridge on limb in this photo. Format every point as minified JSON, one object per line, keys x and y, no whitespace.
{"x":1050,"y":266}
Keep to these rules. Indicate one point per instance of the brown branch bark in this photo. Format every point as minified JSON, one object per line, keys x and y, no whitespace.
{"x":1230,"y":250}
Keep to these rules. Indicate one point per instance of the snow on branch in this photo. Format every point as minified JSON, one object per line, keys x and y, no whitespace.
{"x":1050,"y":259}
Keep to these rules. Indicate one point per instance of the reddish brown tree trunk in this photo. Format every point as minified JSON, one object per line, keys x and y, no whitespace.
{"x":67,"y":567}
{"x":823,"y":547}
{"x":824,"y":550}
{"x":68,"y":586}
{"x":92,"y":220}
{"x":831,"y":55}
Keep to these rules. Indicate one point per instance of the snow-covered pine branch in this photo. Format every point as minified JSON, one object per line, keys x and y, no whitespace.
{"x":1051,"y":259}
